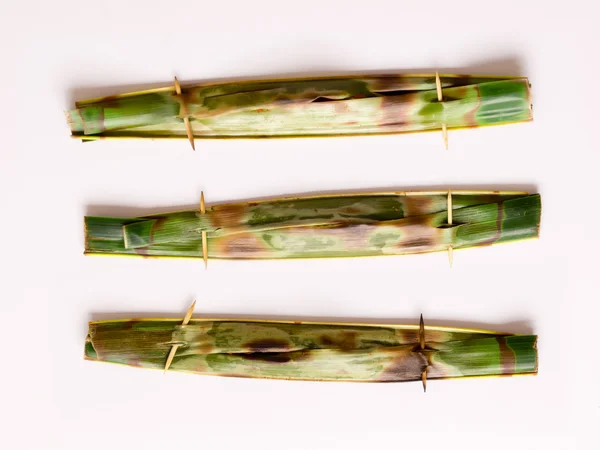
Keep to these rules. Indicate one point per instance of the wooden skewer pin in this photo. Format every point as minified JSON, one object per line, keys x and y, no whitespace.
{"x":438,"y":85}
{"x":204,"y":239}
{"x":450,"y":248}
{"x":173,"y":350}
{"x":184,"y":113}
{"x":422,"y":345}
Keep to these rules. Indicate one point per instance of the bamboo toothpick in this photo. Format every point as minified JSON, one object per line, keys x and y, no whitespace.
{"x":204,"y":239}
{"x":422,"y":345}
{"x":186,"y":119}
{"x":450,"y":248}
{"x":173,"y":350}
{"x":438,"y":85}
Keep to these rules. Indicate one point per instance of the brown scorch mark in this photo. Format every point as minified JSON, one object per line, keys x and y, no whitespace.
{"x":276,"y":357}
{"x":206,"y":348}
{"x":498,"y":232}
{"x":345,"y":341}
{"x":129,"y":324}
{"x":418,"y":205}
{"x":507,"y":356}
{"x":407,"y":365}
{"x":240,"y":245}
{"x":157,"y":226}
{"x":268,"y":345}
{"x":395,"y":112}
{"x":471,"y":117}
{"x":228,"y":215}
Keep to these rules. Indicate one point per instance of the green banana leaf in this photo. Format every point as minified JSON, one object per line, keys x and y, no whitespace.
{"x":392,"y":223}
{"x":349,"y":105}
{"x":310,"y":350}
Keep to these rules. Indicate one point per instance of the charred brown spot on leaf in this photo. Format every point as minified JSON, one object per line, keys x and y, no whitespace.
{"x":407,"y":365}
{"x":268,"y":345}
{"x":229,"y":215}
{"x":129,"y":324}
{"x":242,"y":245}
{"x":160,"y":223}
{"x":393,"y":113}
{"x":157,"y":226}
{"x":326,"y":341}
{"x":278,"y":357}
{"x":345,"y":341}
{"x":498,"y":232}
{"x":417,"y":205}
{"x":111,"y":101}
{"x":507,"y":356}
{"x":206,"y":348}
{"x":420,"y":243}
{"x":471,"y":116}
{"x":462,"y":91}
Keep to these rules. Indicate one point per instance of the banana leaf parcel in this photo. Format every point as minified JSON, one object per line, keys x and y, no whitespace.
{"x":368,"y":224}
{"x":310,"y":350}
{"x":346,"y":105}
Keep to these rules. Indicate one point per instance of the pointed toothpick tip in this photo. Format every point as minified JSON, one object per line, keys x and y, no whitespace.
{"x":205,"y":250}
{"x":424,"y":380}
{"x":445,"y":135}
{"x":190,"y":133}
{"x":177,"y":86}
{"x":202,"y":204}
{"x":170,"y":358}
{"x":189,"y":313}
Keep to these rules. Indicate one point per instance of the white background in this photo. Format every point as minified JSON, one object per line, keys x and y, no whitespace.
{"x":57,"y":51}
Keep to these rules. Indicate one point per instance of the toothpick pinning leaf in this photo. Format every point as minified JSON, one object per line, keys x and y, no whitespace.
{"x":174,"y":348}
